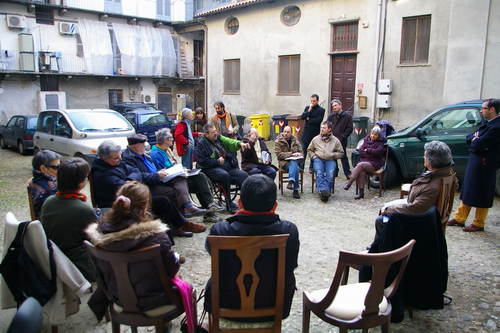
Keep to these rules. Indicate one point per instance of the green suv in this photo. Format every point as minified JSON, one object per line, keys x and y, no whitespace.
{"x":450,"y":124}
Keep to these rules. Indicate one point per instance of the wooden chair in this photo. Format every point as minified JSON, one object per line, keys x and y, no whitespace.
{"x":248,"y":249}
{"x":91,"y":188}
{"x":313,"y":182}
{"x":283,"y":179}
{"x":359,"y":305}
{"x":31,"y":204}
{"x":380,"y":173}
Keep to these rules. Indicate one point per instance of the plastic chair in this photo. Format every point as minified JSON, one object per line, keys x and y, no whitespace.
{"x":359,"y":305}
{"x":283,"y":179}
{"x":28,"y":318}
{"x":248,"y":249}
{"x":129,"y":314}
{"x":380,"y":173}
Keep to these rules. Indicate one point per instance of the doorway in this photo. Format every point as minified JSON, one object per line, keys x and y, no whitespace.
{"x":343,"y":80}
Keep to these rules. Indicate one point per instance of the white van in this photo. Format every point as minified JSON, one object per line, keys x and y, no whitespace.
{"x":78,"y":132}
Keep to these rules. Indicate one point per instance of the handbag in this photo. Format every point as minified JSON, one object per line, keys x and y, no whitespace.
{"x":21,"y":274}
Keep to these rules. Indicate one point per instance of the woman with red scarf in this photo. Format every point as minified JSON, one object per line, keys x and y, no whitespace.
{"x":66,"y":215}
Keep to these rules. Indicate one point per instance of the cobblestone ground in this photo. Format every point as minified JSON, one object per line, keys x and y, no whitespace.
{"x":325,"y":228}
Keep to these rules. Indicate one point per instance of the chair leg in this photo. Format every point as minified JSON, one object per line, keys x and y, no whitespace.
{"x":386,"y":327}
{"x":55,"y":329}
{"x":410,"y":312}
{"x":115,"y":327}
{"x":306,"y":318}
{"x":381,"y":185}
{"x":134,"y":329}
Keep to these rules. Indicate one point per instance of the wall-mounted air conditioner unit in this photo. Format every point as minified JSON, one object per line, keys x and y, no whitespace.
{"x":16,"y":21}
{"x":148,"y":98}
{"x":66,"y":28}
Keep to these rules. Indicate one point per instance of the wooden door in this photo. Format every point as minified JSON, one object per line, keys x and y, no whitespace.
{"x":343,"y":80}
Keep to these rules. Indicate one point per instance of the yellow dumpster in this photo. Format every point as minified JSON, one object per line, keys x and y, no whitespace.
{"x":262,"y":124}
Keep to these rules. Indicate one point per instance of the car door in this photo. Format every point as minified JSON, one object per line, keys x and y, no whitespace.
{"x":62,"y":137}
{"x":451,"y":126}
{"x":45,"y":131}
{"x":9,"y":133}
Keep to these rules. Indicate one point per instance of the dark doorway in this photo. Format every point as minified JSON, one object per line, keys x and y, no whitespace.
{"x":198,"y":58}
{"x":343,"y":79}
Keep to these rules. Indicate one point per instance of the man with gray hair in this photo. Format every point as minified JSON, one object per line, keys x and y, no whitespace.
{"x":184,"y":138}
{"x":341,"y":128}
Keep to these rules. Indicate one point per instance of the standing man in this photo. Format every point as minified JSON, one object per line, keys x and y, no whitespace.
{"x":324,"y":150}
{"x":257,"y":159}
{"x":225,"y":123}
{"x":289,"y":153}
{"x":313,"y":115}
{"x":341,"y":128}
{"x":478,"y":189}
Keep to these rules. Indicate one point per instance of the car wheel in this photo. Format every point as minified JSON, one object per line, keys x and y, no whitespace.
{"x":497,"y":184}
{"x":22,"y":148}
{"x":2,"y":143}
{"x":389,"y":177}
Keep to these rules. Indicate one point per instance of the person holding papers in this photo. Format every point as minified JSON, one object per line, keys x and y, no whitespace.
{"x":163,"y":158}
{"x":257,"y":159}
{"x":289,"y":153}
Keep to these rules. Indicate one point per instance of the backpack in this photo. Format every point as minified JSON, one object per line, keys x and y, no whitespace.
{"x":21,"y":274}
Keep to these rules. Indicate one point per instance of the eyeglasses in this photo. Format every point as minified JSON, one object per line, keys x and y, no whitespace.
{"x":170,"y":137}
{"x":53,"y":166}
{"x":485,"y":108}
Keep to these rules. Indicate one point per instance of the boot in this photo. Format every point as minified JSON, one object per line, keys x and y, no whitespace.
{"x":347,"y":185}
{"x":361,"y":194}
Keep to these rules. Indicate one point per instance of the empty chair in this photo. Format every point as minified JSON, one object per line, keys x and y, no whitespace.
{"x":359,"y":305}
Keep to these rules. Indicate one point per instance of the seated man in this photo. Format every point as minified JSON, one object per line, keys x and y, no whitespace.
{"x":163,"y":157}
{"x":258,"y":201}
{"x":212,"y":155}
{"x":287,"y":146}
{"x":109,"y":172}
{"x":424,"y":191}
{"x":44,"y":182}
{"x":257,"y":159}
{"x":175,"y":189}
{"x":324,"y":150}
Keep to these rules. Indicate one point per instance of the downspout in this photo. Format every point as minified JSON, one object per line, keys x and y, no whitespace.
{"x":375,"y":64}
{"x":205,"y":61}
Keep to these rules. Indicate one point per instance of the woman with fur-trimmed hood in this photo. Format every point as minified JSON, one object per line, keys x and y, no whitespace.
{"x":130,"y":226}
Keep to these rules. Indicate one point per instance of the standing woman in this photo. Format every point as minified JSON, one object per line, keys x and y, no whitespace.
{"x":371,"y":153}
{"x":200,"y":119}
{"x":44,"y":181}
{"x":184,"y":138}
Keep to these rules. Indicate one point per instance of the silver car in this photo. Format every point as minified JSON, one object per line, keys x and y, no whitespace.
{"x":78,"y":132}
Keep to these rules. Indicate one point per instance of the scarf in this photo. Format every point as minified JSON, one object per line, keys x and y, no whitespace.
{"x":247,"y":212}
{"x":149,"y":165}
{"x":186,"y":290}
{"x":69,"y":195}
{"x":190,"y":134}
{"x":326,"y":136}
{"x":226,"y":114}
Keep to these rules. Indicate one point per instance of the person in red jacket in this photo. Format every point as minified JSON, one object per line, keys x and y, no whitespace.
{"x":184,"y":138}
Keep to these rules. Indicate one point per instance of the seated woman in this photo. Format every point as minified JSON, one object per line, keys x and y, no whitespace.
{"x":44,"y":181}
{"x":129,"y":226}
{"x":424,"y":191}
{"x":65,"y":216}
{"x":370,"y":153}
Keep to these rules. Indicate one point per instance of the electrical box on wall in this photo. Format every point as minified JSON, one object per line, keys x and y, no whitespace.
{"x":181,"y":102}
{"x":383,"y":101}
{"x":385,"y":86}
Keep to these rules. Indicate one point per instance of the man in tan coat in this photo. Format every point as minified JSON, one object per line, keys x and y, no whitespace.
{"x":324,"y":150}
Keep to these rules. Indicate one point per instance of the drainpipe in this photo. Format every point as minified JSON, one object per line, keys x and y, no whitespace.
{"x":377,"y":57}
{"x":205,"y":61}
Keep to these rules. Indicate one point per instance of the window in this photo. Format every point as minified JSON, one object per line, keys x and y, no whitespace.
{"x":79,"y":46}
{"x":49,"y":83}
{"x":44,"y":15}
{"x":232,"y":76}
{"x":163,"y":9}
{"x":345,"y":37}
{"x":117,"y":55}
{"x":232,"y":26}
{"x":290,"y":16}
{"x":115,"y":96}
{"x":415,"y":39}
{"x":289,"y":75}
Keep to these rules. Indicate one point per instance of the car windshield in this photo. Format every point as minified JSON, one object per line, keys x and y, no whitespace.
{"x":152,"y":119}
{"x":32,"y":123}
{"x":99,"y":122}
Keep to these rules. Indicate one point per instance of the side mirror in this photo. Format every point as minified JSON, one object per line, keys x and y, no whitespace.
{"x":421,"y":134}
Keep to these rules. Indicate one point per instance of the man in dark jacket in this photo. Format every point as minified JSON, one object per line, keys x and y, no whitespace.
{"x":341,"y":128}
{"x":313,"y":115}
{"x":478,"y":189}
{"x":257,"y":159}
{"x":258,"y":201}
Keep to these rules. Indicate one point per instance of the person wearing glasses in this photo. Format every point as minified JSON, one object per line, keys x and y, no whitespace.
{"x":478,"y":189}
{"x":44,"y":181}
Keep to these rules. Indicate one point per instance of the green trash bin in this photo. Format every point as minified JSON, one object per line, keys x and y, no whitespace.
{"x":360,"y":130}
{"x":279,"y":122}
{"x":261,"y":123}
{"x":241,"y":122}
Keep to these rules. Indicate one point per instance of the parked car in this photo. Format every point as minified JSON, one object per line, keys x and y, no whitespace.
{"x":127,"y":107}
{"x":148,"y":122}
{"x":78,"y":132}
{"x":450,"y":124}
{"x":19,"y":133}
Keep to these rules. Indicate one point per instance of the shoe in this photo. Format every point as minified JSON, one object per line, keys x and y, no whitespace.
{"x":296,"y":194}
{"x":326,"y":194}
{"x":193,"y":227}
{"x":290,"y":185}
{"x":213,"y":207}
{"x":347,"y":186}
{"x":181,"y":233}
{"x":232,"y":207}
{"x":361,"y":194}
{"x":472,"y":228}
{"x":210,"y":217}
{"x":182,"y":260}
{"x":453,"y":222}
{"x":193,"y":211}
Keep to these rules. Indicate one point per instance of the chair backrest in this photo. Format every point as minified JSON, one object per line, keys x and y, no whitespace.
{"x":248,"y":249}
{"x":446,"y":198}
{"x":30,"y":200}
{"x":386,"y":147}
{"x":119,"y":263}
{"x":380,"y":263}
{"x":91,"y":187}
{"x":28,"y":318}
